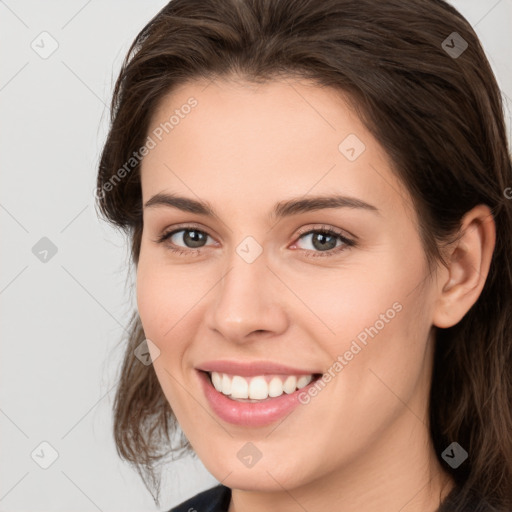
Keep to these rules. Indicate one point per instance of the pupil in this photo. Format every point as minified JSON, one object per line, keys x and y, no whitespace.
{"x":194,"y":238}
{"x":323,"y":242}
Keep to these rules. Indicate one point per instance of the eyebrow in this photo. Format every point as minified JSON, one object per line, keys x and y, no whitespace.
{"x":282,"y":209}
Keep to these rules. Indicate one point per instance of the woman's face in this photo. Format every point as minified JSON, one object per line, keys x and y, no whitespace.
{"x":259,"y":294}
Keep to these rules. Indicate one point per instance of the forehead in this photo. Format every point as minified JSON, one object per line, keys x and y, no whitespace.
{"x":272,"y":140}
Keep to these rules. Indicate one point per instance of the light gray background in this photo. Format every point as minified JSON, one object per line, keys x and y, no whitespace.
{"x":61,"y":321}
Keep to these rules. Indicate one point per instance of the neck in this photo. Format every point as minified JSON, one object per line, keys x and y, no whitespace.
{"x":398,"y":471}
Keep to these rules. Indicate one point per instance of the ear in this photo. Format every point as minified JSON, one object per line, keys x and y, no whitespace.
{"x":468,"y":266}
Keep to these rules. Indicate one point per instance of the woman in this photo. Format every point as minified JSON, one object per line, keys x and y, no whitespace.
{"x":315,"y":194}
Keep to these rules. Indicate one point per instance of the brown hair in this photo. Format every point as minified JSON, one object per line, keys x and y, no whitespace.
{"x":440,"y":118}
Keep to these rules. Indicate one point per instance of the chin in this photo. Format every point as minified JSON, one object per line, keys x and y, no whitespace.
{"x":267,"y":476}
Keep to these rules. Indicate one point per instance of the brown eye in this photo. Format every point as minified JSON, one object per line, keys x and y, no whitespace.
{"x":325,"y":242}
{"x":192,"y":238}
{"x":184,"y":240}
{"x":322,"y":241}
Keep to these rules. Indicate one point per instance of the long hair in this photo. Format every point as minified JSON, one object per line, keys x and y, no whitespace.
{"x":419,"y":79}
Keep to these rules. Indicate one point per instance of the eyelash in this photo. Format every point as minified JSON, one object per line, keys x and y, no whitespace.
{"x":326,"y":230}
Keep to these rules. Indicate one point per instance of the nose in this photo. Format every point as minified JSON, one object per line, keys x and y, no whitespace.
{"x":248,"y":302}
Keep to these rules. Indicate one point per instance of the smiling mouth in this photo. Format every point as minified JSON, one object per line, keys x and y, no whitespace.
{"x":258,"y":388}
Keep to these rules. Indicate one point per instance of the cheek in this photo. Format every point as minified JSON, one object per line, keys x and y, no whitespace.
{"x":164,"y":296}
{"x":161,"y":305}
{"x":378,"y":317}
{"x":358,"y":299}
{"x":151,"y":300}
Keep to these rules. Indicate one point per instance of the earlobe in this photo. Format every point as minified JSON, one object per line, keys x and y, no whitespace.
{"x":468,"y":266}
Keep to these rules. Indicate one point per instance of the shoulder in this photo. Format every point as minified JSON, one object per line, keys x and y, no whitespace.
{"x":215,"y":499}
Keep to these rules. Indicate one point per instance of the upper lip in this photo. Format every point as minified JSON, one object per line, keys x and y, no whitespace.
{"x":251,"y":368}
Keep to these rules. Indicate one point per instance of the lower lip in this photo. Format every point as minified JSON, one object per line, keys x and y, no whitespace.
{"x":249,"y":414}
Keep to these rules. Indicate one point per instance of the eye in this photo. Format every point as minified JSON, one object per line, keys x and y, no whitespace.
{"x":192,"y":238}
{"x":324,"y":242}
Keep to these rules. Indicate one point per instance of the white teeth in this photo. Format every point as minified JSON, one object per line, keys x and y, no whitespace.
{"x":303,"y":381}
{"x":257,"y":388}
{"x":290,"y":384}
{"x":275,"y":387}
{"x":217,"y":381}
{"x":239,"y":387}
{"x":226,"y":384}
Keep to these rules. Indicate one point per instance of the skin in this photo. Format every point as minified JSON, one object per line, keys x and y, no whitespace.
{"x":363,"y":442}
